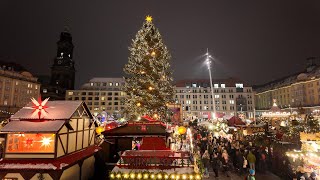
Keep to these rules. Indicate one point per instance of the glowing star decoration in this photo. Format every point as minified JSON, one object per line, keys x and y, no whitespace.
{"x":29,"y":142}
{"x":149,"y":18}
{"x":45,"y":142}
{"x":39,"y":107}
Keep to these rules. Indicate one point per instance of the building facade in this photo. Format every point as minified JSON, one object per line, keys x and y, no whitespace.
{"x":101,"y":95}
{"x":17,"y":87}
{"x":298,"y":90}
{"x":62,"y":71}
{"x":231,"y":96}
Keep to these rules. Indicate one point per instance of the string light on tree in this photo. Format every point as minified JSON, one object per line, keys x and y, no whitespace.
{"x":148,"y":74}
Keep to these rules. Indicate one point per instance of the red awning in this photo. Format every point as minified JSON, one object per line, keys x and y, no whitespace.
{"x":153,"y":143}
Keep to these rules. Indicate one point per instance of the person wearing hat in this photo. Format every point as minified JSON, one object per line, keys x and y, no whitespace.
{"x":251,"y":175}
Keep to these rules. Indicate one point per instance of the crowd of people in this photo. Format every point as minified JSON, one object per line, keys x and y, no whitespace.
{"x":225,"y":155}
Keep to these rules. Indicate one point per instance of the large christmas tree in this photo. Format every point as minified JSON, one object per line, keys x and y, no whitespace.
{"x":149,"y":77}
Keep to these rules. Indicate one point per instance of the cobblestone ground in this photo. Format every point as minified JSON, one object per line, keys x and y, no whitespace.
{"x":234,"y":176}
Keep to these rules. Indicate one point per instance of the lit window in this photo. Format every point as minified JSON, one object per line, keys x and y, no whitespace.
{"x":216,"y":85}
{"x":70,"y":93}
{"x":239,"y":85}
{"x":5,"y":102}
{"x":57,"y":91}
{"x":30,"y":143}
{"x":57,"y":82}
{"x":223,"y":85}
{"x":103,"y":98}
{"x":17,"y":83}
{"x":44,"y":90}
{"x":28,"y":85}
{"x":36,"y":86}
{"x":231,"y":101}
{"x":117,"y":84}
{"x":216,"y":96}
{"x":194,"y":84}
{"x":110,"y":84}
{"x":91,"y":84}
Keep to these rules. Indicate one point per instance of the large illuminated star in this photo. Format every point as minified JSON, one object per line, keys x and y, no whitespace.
{"x":45,"y":142}
{"x":149,"y":18}
{"x":39,"y":107}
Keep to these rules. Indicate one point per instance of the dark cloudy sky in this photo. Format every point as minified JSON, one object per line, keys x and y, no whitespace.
{"x":256,"y":41}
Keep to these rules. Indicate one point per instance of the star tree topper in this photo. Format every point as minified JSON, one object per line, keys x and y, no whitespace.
{"x":39,"y":107}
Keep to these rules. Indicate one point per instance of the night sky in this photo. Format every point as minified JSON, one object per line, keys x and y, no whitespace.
{"x":256,"y":41}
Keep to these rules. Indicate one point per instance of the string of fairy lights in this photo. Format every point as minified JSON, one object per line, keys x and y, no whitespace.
{"x":6,"y":112}
{"x":154,"y":176}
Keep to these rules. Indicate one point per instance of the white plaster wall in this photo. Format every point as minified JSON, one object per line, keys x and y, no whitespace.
{"x":14,"y":175}
{"x":72,"y":142}
{"x":88,"y":168}
{"x":79,"y":143}
{"x":64,"y":142}
{"x":72,"y":173}
{"x":45,"y":175}
{"x":85,"y":139}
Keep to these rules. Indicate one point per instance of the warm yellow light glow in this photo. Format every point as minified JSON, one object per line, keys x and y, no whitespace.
{"x":173,"y":176}
{"x":159,"y":176}
{"x":149,"y":18}
{"x":118,"y":176}
{"x":182,"y":130}
{"x":126,"y":176}
{"x":191,"y":176}
{"x":132,"y":176}
{"x":150,"y":88}
{"x":153,"y":53}
{"x":152,"y":176}
{"x":138,"y":104}
{"x":145,"y":176}
{"x":198,"y":176}
{"x":142,"y":72}
{"x":45,"y":142}
{"x":177,"y":176}
{"x":184,"y":176}
{"x":99,"y":130}
{"x":166,"y":176}
{"x":112,"y":176}
{"x":155,"y":115}
{"x":139,"y":176}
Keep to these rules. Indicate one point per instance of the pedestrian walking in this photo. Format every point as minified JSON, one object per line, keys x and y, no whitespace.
{"x":206,"y":163}
{"x":215,"y":164}
{"x":252,"y":160}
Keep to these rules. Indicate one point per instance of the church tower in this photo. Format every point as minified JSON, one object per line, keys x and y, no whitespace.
{"x":62,"y":70}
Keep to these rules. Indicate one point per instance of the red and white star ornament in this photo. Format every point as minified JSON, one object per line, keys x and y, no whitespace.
{"x":39,"y":107}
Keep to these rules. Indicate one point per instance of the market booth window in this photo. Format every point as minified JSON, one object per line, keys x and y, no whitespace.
{"x":30,"y":143}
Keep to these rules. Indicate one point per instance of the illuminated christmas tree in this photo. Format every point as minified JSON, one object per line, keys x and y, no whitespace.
{"x":149,"y":77}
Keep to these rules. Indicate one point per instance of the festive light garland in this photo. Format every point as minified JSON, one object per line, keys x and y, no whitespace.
{"x":154,"y":176}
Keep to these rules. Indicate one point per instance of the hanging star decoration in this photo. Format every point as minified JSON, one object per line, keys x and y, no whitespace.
{"x":39,"y":107}
{"x":29,"y":142}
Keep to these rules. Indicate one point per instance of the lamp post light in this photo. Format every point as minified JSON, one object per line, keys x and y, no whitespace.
{"x":209,"y":62}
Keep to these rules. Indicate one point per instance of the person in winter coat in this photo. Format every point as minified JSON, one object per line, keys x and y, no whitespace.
{"x":252,"y":160}
{"x":225,"y":162}
{"x":215,"y":164}
{"x":206,"y":163}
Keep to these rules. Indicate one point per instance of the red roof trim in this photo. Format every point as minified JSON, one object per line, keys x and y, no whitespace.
{"x":70,"y":159}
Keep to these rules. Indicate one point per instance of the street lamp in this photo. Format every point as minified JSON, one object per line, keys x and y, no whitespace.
{"x":209,"y":62}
